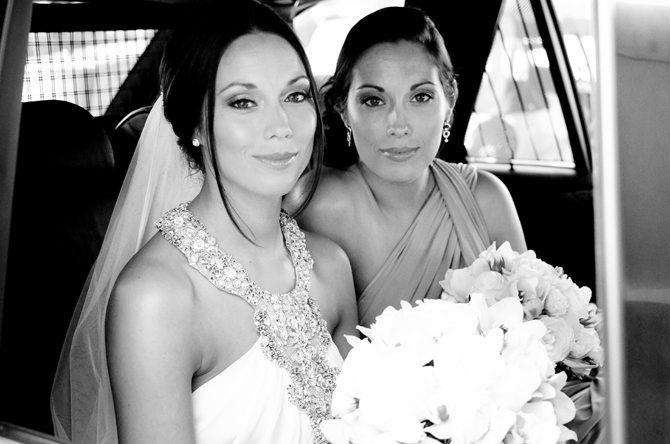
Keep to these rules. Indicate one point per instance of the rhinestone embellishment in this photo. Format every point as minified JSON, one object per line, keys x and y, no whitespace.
{"x":293,"y":332}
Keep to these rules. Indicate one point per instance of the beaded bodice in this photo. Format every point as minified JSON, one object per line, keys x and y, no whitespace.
{"x":293,"y":332}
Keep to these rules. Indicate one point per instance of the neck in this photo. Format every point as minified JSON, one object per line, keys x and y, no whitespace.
{"x":398,"y":197}
{"x":256,"y":216}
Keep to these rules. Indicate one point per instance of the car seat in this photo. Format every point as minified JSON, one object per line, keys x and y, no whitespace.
{"x":63,"y":200}
{"x":124,"y":139}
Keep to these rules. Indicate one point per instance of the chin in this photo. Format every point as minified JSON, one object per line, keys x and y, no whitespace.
{"x":404,"y":172}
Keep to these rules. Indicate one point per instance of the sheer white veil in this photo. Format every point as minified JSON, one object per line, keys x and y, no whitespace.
{"x":158,"y":179}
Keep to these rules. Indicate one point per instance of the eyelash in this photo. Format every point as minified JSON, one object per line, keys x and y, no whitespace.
{"x":306,"y":95}
{"x":367,"y":100}
{"x":237,"y":103}
{"x":244,"y":103}
{"x":428,"y":97}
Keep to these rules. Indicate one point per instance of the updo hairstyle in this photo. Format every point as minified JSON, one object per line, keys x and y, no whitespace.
{"x":387,"y":25}
{"x":188,"y":74}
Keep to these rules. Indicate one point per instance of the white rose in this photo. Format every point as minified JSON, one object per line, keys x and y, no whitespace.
{"x":528,"y":265}
{"x":559,"y":337}
{"x":556,"y":303}
{"x":587,"y":341}
{"x":491,"y":285}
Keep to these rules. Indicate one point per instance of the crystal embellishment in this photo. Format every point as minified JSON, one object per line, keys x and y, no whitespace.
{"x":293,"y":332}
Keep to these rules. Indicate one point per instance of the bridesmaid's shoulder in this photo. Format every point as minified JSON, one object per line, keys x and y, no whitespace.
{"x":335,"y":193}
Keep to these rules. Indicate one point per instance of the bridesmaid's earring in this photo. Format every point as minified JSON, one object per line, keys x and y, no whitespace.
{"x":446,"y":132}
{"x":348,"y":136}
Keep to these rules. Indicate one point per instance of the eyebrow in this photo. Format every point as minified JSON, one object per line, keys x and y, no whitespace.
{"x":380,"y":89}
{"x":254,"y":86}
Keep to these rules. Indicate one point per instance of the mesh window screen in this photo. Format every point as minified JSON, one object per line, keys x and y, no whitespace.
{"x":85,"y":68}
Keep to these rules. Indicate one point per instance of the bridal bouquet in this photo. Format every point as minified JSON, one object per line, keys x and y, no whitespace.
{"x":445,"y":372}
{"x":546,"y":294}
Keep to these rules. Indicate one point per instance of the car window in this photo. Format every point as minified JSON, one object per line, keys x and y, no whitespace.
{"x":518,"y":116}
{"x":323,"y":28}
{"x":83,"y":67}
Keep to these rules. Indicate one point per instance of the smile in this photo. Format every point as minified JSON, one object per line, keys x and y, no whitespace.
{"x":278,"y":161}
{"x":399,"y":154}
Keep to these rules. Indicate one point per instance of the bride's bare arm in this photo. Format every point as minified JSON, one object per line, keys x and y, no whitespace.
{"x":152,"y":355}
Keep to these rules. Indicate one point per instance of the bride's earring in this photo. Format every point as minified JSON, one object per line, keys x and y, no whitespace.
{"x":446,"y":131}
{"x":348,"y":136}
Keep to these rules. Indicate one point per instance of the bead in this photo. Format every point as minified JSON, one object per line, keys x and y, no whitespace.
{"x":293,"y":334}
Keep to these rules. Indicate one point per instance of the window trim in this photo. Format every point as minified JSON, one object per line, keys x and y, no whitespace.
{"x":13,"y":49}
{"x":564,"y":83}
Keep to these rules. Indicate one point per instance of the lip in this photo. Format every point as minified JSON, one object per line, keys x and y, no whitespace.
{"x":399,"y":154}
{"x":278,"y":161}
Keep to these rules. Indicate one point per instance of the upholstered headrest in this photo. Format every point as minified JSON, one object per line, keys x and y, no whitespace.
{"x":64,"y":138}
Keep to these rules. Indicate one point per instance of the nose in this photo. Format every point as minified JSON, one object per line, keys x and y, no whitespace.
{"x":277,"y":126}
{"x":398,"y":125}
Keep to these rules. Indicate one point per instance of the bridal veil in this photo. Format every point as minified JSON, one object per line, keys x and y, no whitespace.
{"x":158,"y":179}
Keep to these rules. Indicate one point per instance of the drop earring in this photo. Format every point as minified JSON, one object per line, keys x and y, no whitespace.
{"x":446,"y":131}
{"x":348,"y":136}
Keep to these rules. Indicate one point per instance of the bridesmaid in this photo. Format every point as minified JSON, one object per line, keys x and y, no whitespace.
{"x":402,"y":216}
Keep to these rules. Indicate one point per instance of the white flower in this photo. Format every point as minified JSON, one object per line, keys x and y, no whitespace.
{"x":500,"y":258}
{"x":556,"y":303}
{"x":535,"y":424}
{"x":458,"y":284}
{"x":469,"y":373}
{"x":585,"y":343}
{"x":578,"y":298}
{"x":531,"y":291}
{"x":559,"y":337}
{"x":491,"y":285}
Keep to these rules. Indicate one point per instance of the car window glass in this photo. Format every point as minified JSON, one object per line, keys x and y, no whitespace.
{"x":517,"y":115}
{"x":323,"y":28}
{"x":86,"y":68}
{"x":575,"y":19}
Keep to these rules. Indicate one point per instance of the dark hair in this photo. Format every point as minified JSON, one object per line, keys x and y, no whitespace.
{"x":388,"y":25}
{"x":188,"y":76}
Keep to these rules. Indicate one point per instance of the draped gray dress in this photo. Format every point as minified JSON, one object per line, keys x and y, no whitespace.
{"x":448,"y":232}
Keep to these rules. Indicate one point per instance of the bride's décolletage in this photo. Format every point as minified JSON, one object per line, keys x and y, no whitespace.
{"x":293,"y":334}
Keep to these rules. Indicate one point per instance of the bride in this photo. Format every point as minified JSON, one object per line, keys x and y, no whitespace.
{"x":217,"y":328}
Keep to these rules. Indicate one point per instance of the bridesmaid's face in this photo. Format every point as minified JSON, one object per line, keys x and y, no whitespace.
{"x":264,"y":118}
{"x":396,"y":108}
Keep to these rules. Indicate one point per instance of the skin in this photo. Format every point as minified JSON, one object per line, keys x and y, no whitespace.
{"x":396,"y":108}
{"x":169,"y":330}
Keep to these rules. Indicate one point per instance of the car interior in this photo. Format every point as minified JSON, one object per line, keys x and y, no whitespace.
{"x":518,"y":74}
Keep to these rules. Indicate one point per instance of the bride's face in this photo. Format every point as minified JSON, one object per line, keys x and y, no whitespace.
{"x":264,"y":118}
{"x":396,"y":108}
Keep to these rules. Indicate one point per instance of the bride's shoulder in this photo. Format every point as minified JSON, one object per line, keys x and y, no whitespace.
{"x":155,"y":281}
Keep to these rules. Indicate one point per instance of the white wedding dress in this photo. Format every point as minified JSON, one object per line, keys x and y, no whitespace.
{"x":281,"y":389}
{"x":247,"y":403}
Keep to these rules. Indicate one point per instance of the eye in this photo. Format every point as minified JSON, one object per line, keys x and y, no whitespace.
{"x":298,"y":96}
{"x":372,"y":101}
{"x":422,"y":98}
{"x":241,"y":103}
